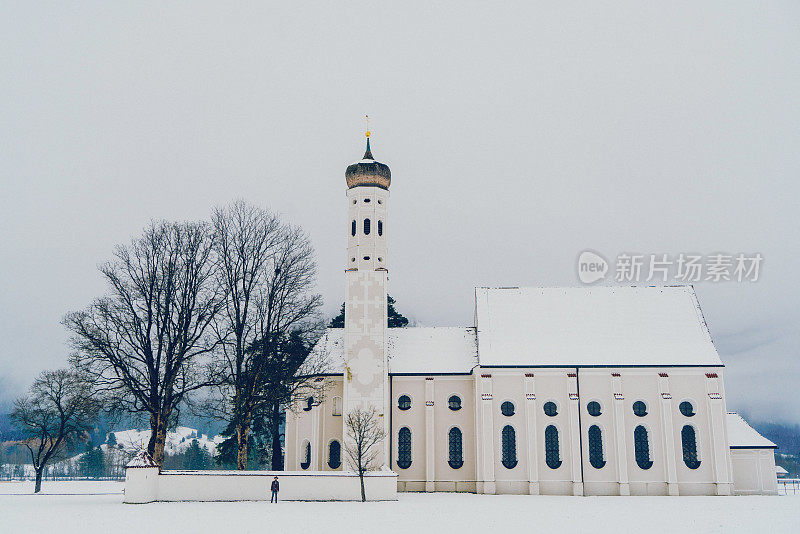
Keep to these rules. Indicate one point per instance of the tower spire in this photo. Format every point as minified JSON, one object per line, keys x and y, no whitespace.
{"x":368,"y":153}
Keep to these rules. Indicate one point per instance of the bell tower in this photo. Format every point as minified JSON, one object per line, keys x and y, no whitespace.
{"x":366,"y":378}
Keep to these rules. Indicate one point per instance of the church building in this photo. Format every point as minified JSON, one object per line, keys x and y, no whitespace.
{"x":553,"y":391}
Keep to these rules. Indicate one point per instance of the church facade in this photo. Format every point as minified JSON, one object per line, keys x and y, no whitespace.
{"x":557,"y":391}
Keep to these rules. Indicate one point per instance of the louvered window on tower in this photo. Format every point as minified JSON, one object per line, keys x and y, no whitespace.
{"x":353,"y":228}
{"x":689,"y":440}
{"x":551,"y":452}
{"x":404,"y":448}
{"x":509,"y":439}
{"x":380,"y":227}
{"x":366,"y":227}
{"x":596,"y":447}
{"x":456,"y":459}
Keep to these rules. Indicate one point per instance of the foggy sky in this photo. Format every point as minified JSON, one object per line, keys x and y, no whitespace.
{"x":518,"y":135}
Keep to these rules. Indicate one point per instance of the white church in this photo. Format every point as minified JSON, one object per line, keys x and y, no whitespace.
{"x":552,"y":391}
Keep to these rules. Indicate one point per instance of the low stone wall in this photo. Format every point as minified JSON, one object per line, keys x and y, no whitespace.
{"x":143,"y":485}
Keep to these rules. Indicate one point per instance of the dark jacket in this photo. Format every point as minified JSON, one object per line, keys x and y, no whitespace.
{"x":275,"y":486}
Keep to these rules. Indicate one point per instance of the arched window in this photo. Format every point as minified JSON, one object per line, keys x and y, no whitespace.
{"x":353,"y":228}
{"x":596,"y":447}
{"x":594,"y":408}
{"x":507,"y":408}
{"x":509,"y":439}
{"x":366,"y":226}
{"x":337,"y":406}
{"x":380,"y":227}
{"x":456,"y":451}
{"x":686,"y":408}
{"x":641,"y":447}
{"x":309,"y":404}
{"x":689,"y":441}
{"x":305,"y":464}
{"x":404,"y":402}
{"x":334,"y":455}
{"x":550,"y":408}
{"x":404,"y":448}
{"x":639,"y":408}
{"x":454,"y":402}
{"x":551,"y":453}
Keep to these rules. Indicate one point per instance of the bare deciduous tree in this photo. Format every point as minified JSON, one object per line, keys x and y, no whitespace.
{"x":267,"y":271}
{"x":143,"y":345}
{"x":58,"y":408}
{"x":365,"y":435}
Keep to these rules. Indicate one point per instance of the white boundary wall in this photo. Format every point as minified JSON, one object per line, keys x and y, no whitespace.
{"x":143,"y":485}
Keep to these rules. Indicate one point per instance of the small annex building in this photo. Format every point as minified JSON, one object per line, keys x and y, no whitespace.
{"x":558,"y":391}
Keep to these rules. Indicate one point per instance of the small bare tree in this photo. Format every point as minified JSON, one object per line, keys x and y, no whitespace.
{"x":145,"y":346}
{"x":58,"y":408}
{"x":365,"y":440}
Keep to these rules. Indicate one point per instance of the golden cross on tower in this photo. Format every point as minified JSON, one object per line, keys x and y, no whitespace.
{"x":367,"y":119}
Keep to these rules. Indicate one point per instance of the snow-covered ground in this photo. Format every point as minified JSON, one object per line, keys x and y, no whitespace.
{"x":418,"y":513}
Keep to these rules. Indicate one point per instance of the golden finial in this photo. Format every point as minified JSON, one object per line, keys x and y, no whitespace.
{"x":367,"y":118}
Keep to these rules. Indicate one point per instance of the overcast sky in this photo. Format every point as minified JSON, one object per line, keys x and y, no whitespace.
{"x":518,"y":136}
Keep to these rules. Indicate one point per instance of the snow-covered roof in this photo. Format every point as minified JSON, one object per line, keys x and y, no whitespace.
{"x":412,"y":350}
{"x":780,"y":471}
{"x":743,"y":436}
{"x":592,"y":326}
{"x":142,"y":459}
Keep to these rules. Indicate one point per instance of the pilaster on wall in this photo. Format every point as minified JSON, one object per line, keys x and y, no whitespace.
{"x":316,"y":438}
{"x":720,"y":452}
{"x":486,"y":437}
{"x":668,"y":434}
{"x":619,"y":434}
{"x":430,"y":441}
{"x":530,"y":423}
{"x":575,"y":433}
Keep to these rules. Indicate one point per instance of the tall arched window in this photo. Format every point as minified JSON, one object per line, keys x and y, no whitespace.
{"x":689,"y":440}
{"x":596,"y":447}
{"x":509,"y":439}
{"x":366,"y":227}
{"x":353,"y":228}
{"x":455,"y":448}
{"x":551,"y":453}
{"x":305,"y":464}
{"x":404,"y":448}
{"x":380,"y":227}
{"x":641,"y":447}
{"x":334,"y":455}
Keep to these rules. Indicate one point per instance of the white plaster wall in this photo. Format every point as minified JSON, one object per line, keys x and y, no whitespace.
{"x":412,"y":478}
{"x":254,"y":486}
{"x":754,"y":472}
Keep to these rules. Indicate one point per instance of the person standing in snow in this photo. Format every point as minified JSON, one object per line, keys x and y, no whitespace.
{"x":274,"y":487}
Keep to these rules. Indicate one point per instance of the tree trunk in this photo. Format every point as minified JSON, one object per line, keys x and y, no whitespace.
{"x":275,"y":434}
{"x":158,"y":437}
{"x":363,"y":493}
{"x":38,"y":486}
{"x":242,"y":436}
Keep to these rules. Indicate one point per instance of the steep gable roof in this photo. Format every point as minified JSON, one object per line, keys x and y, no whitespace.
{"x":592,"y":326}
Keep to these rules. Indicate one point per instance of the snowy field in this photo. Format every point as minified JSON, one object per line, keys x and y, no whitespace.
{"x":99,"y":509}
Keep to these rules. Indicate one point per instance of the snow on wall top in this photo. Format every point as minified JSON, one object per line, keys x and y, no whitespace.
{"x":411,"y":350}
{"x":583,"y":326}
{"x":743,"y":436}
{"x":142,"y":459}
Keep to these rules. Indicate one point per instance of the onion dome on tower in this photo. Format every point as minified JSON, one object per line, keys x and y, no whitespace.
{"x":368,"y":171}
